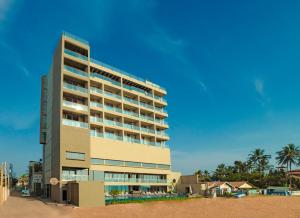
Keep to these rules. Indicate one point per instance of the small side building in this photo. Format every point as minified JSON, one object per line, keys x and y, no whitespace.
{"x":35,"y":177}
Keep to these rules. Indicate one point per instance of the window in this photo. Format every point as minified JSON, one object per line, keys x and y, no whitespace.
{"x":149,"y":165}
{"x":97,"y":161}
{"x":114,"y":162}
{"x":163,"y":166}
{"x":74,"y":155}
{"x":132,"y":164}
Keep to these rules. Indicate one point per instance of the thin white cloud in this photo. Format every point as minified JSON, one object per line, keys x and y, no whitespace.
{"x":174,"y":47}
{"x":5,"y":7}
{"x":259,"y":86}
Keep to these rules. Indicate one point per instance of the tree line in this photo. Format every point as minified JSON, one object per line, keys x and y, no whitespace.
{"x":257,"y":169}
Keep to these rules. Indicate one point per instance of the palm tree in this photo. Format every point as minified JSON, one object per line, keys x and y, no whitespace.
{"x":261,"y":160}
{"x":220,"y":172}
{"x":288,"y":155}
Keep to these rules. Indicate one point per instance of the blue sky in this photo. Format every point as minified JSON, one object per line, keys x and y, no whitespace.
{"x":231,"y":70}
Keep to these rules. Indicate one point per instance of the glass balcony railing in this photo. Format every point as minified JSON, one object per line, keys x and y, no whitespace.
{"x":125,"y":73}
{"x":132,"y":88}
{"x":160,"y":110}
{"x":75,"y":123}
{"x":96,"y":119}
{"x":148,"y":130}
{"x":76,"y":71}
{"x":145,"y":142}
{"x":147,"y":118}
{"x":95,"y":133}
{"x":130,"y":113}
{"x":162,"y":133}
{"x":97,"y":75}
{"x":96,"y":90}
{"x":131,"y":126}
{"x":95,"y":104}
{"x":69,"y":35}
{"x":162,"y":144}
{"x":74,"y":177}
{"x":115,"y":109}
{"x":146,"y":105}
{"x":161,"y":121}
{"x":109,"y":94}
{"x":75,"y":88}
{"x":76,"y":106}
{"x":77,"y":55}
{"x":160,"y":98}
{"x":131,"y":139}
{"x":112,"y":136}
{"x":113,"y":123}
{"x":131,"y":100}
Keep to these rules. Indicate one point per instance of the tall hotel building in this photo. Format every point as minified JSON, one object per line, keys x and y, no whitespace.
{"x":101,"y":123}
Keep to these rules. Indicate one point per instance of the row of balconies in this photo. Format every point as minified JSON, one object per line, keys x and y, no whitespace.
{"x":114,"y":82}
{"x":95,"y":90}
{"x":82,"y":107}
{"x":114,"y":136}
{"x":128,"y":126}
{"x":85,"y":58}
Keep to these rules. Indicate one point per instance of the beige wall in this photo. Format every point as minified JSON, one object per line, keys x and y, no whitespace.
{"x":75,"y":140}
{"x":115,"y":150}
{"x":87,"y":194}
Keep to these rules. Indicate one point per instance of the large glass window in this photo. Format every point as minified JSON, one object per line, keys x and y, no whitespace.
{"x":97,"y":161}
{"x":114,"y":162}
{"x":132,"y":164}
{"x":74,"y":155}
{"x":149,"y":165}
{"x":163,"y":166}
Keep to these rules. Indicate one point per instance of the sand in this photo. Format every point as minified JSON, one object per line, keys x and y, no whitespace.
{"x":262,"y":206}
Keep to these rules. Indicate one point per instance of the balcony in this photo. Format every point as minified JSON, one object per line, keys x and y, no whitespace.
{"x":162,"y":133}
{"x":76,"y":38}
{"x":147,"y":118}
{"x":76,"y":71}
{"x":125,"y":73}
{"x":75,"y":123}
{"x":97,"y":134}
{"x":96,"y":104}
{"x":161,"y":121}
{"x":76,"y":106}
{"x":146,"y":142}
{"x":131,"y":100}
{"x":112,"y":136}
{"x":131,"y":139}
{"x":131,"y":126}
{"x":76,"y":55}
{"x":162,"y":144}
{"x":160,"y":98}
{"x":130,"y":113}
{"x":132,"y":88}
{"x":97,"y":75}
{"x":146,"y":105}
{"x":96,"y":119}
{"x":148,"y":130}
{"x":115,"y":109}
{"x":109,"y":94}
{"x":75,"y":88}
{"x":112,"y":123}
{"x":161,"y":110}
{"x":96,"y":90}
